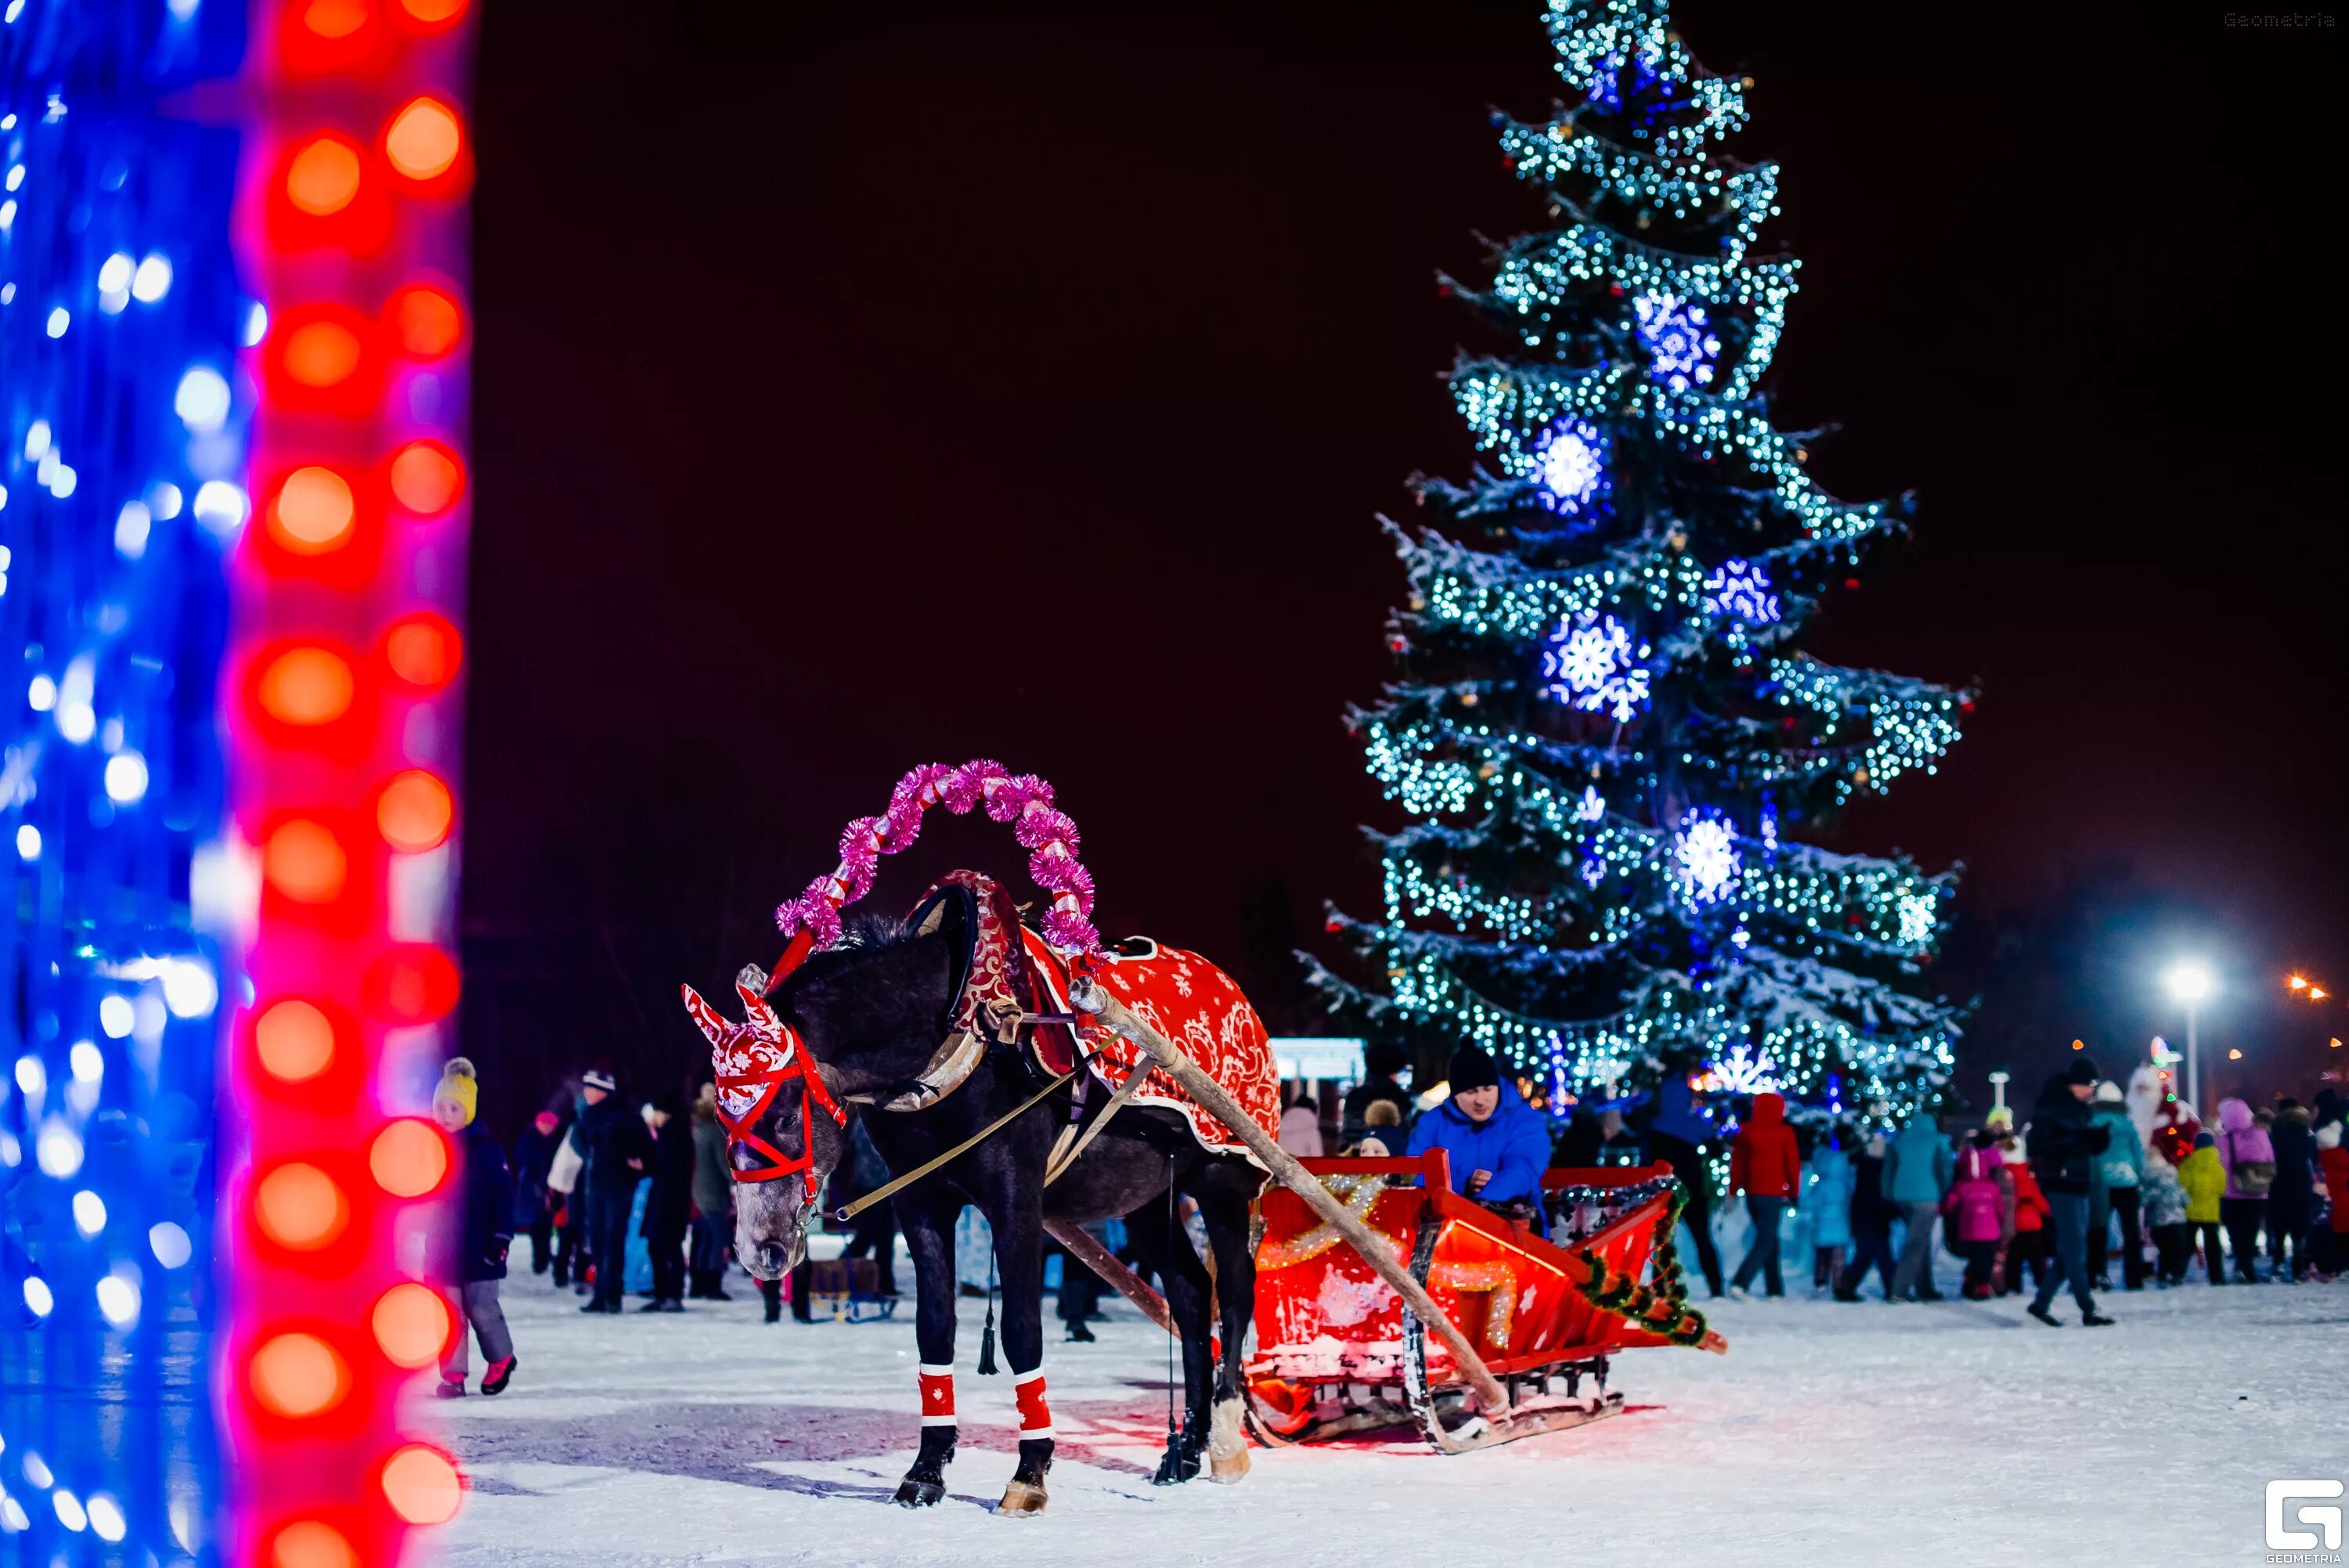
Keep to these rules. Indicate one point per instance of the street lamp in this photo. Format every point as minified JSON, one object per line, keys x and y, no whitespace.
{"x":2191,"y":982}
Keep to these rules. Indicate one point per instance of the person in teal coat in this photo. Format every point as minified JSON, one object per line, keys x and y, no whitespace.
{"x":1916,"y":1172}
{"x":2114,"y":1183}
{"x":1826,"y":1200}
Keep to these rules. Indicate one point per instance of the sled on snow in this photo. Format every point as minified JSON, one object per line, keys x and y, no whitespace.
{"x":1339,"y":1351}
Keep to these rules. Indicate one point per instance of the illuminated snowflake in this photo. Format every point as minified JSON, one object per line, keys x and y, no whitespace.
{"x":1741,"y":591}
{"x":1706,"y":850}
{"x":1594,"y":871}
{"x":1917,"y":917}
{"x":1590,"y":664}
{"x":1746,"y":1071}
{"x":1571,"y":467}
{"x":1593,"y":806}
{"x":1683,"y":347}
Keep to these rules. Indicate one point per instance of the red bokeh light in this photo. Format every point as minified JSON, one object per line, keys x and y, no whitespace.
{"x":426,"y":477}
{"x":425,"y":144}
{"x":425,"y":322}
{"x":414,"y":983}
{"x":327,"y":357}
{"x":424,"y":650}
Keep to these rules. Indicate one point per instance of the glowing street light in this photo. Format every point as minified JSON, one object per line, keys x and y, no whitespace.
{"x":2191,"y":982}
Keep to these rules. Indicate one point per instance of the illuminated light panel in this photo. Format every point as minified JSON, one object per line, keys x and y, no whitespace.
{"x":422,"y":1485}
{"x":324,"y":177}
{"x":297,"y":1375}
{"x":304,"y":861}
{"x":306,"y":685}
{"x":415,"y":811}
{"x":426,"y":478}
{"x":300,"y":1207}
{"x":423,"y":140}
{"x":294,"y":1041}
{"x":408,"y":1158}
{"x":411,"y":1323}
{"x":312,"y":513}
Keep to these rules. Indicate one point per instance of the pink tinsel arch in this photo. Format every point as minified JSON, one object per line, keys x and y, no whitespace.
{"x":1021,"y":798}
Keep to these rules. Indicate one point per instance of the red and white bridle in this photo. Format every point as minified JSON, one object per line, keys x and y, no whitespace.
{"x":753,"y":1060}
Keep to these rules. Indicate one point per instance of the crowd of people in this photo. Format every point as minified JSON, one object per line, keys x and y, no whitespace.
{"x":2052,"y":1202}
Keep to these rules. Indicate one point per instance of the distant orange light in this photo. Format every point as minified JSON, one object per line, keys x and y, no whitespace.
{"x":299,"y":1206}
{"x":307,"y":686}
{"x":297,"y":1374}
{"x":408,"y":1158}
{"x":312,"y":513}
{"x":422,"y":1485}
{"x":2234,"y":1055}
{"x":334,"y":18}
{"x":411,"y":1325}
{"x":321,"y":353}
{"x":427,"y":321}
{"x":423,"y":139}
{"x":2335,"y":1042}
{"x":2079,"y":1044}
{"x":308,"y":1543}
{"x":303,"y":861}
{"x":324,"y":177}
{"x":424,"y":650}
{"x":426,"y":478}
{"x":294,"y":1040}
{"x":414,"y":811}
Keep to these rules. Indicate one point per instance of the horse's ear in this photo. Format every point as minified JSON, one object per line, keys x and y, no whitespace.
{"x":754,"y":1007}
{"x":714,"y":1026}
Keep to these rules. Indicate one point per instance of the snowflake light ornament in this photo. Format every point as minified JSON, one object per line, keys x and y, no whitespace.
{"x":1746,"y":1071}
{"x":1681,"y":347}
{"x":1706,"y":858}
{"x":1590,"y":664}
{"x":1741,"y":591}
{"x":1570,"y":468}
{"x":1593,"y":806}
{"x":1917,"y":918}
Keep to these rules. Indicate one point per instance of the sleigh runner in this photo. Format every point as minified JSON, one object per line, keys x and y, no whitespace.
{"x":1337,"y":1350}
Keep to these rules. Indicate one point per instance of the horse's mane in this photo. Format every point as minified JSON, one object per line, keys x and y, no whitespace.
{"x":865,"y":938}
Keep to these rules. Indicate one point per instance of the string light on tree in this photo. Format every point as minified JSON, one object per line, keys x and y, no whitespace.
{"x":1601,"y":734}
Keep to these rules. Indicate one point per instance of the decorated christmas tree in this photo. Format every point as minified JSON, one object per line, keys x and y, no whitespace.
{"x":1603,"y":733}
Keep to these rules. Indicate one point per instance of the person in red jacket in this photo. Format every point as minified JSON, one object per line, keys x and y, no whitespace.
{"x":2333,"y":1165}
{"x":2030,"y":1245}
{"x":1765,"y":1165}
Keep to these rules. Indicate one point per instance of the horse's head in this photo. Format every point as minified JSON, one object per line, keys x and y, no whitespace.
{"x":856,"y":1017}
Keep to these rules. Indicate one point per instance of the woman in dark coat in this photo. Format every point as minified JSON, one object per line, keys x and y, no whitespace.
{"x":668,"y":1207}
{"x":713,"y":1201}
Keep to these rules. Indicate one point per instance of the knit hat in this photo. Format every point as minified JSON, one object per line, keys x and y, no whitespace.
{"x":597,"y":1078}
{"x":2109,"y":1093}
{"x":456,"y":1085}
{"x":546,"y":1121}
{"x":1472,"y":1069}
{"x":2329,"y":1136}
{"x":2083,"y":1071}
{"x":2205,"y":1140}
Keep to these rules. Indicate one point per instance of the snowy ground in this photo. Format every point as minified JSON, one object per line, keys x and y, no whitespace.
{"x":1957,"y":1433}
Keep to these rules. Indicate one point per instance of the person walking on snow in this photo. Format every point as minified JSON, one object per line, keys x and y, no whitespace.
{"x":1976,"y":1210}
{"x":471,"y":1237}
{"x":2204,"y":1176}
{"x":2248,"y":1155}
{"x":2026,"y":1241}
{"x":2332,"y":1162}
{"x":1871,"y":1223}
{"x":713,"y":1201}
{"x":1497,"y":1144}
{"x":2119,"y":1170}
{"x":2165,"y":1217}
{"x":2291,"y":1201}
{"x":1765,"y":1165}
{"x":2065,"y":1140}
{"x":1916,"y":1178}
{"x":1827,"y":1199}
{"x":1676,"y":1136}
{"x":533,"y":1213}
{"x":612,"y":1138}
{"x":668,"y":1204}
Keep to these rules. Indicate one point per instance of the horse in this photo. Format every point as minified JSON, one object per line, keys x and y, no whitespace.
{"x":868,"y":1016}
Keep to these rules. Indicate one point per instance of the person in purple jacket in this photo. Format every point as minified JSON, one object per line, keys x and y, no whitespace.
{"x":1498,"y":1145}
{"x":2248,"y":1156}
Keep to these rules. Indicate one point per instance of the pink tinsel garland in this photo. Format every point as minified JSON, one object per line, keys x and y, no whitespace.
{"x":1021,"y":798}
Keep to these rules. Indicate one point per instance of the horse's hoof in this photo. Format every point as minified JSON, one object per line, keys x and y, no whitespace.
{"x":912,"y":1493}
{"x":1021,"y":1497}
{"x":1227,"y":1454}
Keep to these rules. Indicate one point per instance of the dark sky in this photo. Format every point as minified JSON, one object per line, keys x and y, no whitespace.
{"x":864,"y":385}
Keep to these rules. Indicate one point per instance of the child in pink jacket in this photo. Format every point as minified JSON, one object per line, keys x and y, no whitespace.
{"x":1976,"y":1208}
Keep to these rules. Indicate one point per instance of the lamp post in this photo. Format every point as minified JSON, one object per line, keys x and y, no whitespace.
{"x":1997,"y":1082}
{"x":2191,"y":982}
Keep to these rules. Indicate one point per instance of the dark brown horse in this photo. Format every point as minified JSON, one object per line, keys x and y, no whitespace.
{"x":871,"y":1013}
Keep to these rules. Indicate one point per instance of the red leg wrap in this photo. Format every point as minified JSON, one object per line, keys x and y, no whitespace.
{"x":1035,"y":1414}
{"x":938,"y":1397}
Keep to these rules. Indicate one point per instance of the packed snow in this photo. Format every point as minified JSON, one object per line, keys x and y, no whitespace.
{"x":1957,"y":1432}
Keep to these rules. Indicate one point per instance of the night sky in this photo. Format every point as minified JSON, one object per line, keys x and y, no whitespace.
{"x":860,"y":387}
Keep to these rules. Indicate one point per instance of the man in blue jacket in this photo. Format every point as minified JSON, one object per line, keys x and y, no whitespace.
{"x":1498,"y":1144}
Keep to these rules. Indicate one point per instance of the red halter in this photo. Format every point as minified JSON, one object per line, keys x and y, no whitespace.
{"x":753,"y":1061}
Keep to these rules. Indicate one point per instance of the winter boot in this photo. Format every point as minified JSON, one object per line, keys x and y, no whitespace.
{"x":2044,"y":1316}
{"x":2094,"y":1319}
{"x":449,"y":1389}
{"x":498,"y":1373}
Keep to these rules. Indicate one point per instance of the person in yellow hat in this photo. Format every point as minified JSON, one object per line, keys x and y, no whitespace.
{"x":475,"y":1231}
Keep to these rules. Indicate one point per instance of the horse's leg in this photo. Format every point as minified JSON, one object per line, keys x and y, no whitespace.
{"x":1223,"y":1188}
{"x":1017,"y":1217}
{"x":928,"y":1219}
{"x":1166,"y":1252}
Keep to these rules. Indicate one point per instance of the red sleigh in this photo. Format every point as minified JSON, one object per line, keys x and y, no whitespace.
{"x":1337,"y":1352}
